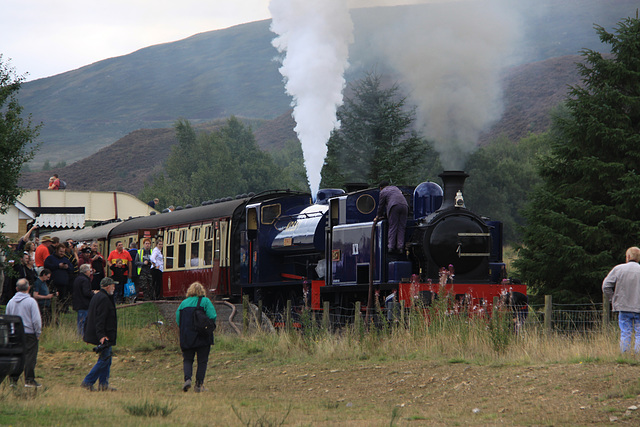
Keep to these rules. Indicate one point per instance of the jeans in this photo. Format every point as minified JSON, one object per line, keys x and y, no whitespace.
{"x":82,"y":318}
{"x":101,"y":369}
{"x":629,"y":321}
{"x":203,"y":358}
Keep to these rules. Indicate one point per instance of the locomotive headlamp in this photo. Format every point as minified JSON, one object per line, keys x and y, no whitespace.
{"x":459,"y":202}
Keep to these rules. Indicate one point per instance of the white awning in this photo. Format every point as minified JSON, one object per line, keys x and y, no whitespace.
{"x":60,"y":220}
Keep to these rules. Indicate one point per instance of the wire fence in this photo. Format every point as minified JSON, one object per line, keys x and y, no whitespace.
{"x":556,"y":318}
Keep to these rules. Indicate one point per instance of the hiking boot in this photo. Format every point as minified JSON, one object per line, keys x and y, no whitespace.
{"x":32,"y":383}
{"x":106,"y":387}
{"x":13,"y":383}
{"x":187,"y":385}
{"x":199,"y":388}
{"x":88,"y":386}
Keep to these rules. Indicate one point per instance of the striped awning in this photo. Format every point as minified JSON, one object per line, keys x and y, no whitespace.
{"x":60,"y":220}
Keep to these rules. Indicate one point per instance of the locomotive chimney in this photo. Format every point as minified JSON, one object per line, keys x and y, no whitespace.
{"x":453,"y":182}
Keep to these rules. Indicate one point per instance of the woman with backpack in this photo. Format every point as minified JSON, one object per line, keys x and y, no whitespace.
{"x":196,"y":333}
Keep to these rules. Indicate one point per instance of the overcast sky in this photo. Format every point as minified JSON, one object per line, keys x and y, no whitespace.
{"x":48,"y":37}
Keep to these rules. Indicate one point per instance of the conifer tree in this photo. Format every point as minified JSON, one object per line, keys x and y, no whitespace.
{"x":585,"y":214}
{"x":376,"y":140}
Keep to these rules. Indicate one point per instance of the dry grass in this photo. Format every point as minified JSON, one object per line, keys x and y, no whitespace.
{"x":432,"y":372}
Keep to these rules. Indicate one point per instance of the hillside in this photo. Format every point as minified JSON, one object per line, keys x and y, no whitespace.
{"x":215,"y":74}
{"x":531,"y":90}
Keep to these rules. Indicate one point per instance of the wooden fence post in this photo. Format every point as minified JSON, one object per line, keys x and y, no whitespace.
{"x":606,"y":311}
{"x":245,"y":313}
{"x":356,"y":317}
{"x":325,"y":316}
{"x":548,"y":313}
{"x":260,"y":314}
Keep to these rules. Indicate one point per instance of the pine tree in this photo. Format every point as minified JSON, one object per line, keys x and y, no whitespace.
{"x":376,"y":140}
{"x":585,"y":214}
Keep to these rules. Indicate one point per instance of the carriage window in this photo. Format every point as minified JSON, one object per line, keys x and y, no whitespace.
{"x":195,"y":249}
{"x":182,"y":248}
{"x":208,"y":252}
{"x":195,"y":234}
{"x":169,"y":257}
{"x":182,"y":255}
{"x":270,"y":213}
{"x":208,"y":245}
{"x":171,"y":238}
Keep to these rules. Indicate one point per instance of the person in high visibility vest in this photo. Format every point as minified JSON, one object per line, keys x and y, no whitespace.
{"x":143,"y":263}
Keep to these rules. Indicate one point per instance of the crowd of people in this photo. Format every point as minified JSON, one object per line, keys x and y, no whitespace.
{"x":74,"y":274}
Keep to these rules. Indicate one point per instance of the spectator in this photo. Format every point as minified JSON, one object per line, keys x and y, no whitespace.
{"x":143,"y":264}
{"x":26,"y":307}
{"x":622,"y":287}
{"x":54,"y":183}
{"x":22,"y":242}
{"x":82,"y":296}
{"x":157,"y":267}
{"x":122,"y":267}
{"x":98,"y":264}
{"x":154,"y":203}
{"x":60,"y":267}
{"x":191,"y":343}
{"x":43,"y":297}
{"x":42,"y":252}
{"x":71,"y":253}
{"x":101,"y":329}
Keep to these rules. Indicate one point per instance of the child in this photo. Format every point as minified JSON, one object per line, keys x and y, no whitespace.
{"x":117,"y":274}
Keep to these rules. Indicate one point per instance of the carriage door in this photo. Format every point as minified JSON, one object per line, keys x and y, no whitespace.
{"x":222,"y":242}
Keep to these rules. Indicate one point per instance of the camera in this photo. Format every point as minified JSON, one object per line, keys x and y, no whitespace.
{"x":100,"y":347}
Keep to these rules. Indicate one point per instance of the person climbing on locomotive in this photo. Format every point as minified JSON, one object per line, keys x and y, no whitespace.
{"x":393,"y":205}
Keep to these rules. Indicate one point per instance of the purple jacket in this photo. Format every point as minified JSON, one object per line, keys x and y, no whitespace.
{"x":390,"y":196}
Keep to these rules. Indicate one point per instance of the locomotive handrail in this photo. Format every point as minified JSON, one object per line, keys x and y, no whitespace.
{"x":371,"y":262}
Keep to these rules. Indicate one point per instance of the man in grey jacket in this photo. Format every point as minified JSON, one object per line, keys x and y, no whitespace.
{"x":622,"y":287}
{"x":23,"y":305}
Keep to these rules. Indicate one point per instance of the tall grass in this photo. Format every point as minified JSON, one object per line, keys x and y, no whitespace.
{"x":441,"y":332}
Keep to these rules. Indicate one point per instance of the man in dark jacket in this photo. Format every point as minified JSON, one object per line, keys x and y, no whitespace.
{"x":101,"y":330}
{"x":60,"y":267}
{"x":82,"y":294}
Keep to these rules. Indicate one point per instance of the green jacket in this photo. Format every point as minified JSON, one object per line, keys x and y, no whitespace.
{"x":192,"y":302}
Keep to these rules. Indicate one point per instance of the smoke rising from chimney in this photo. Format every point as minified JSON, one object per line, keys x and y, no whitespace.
{"x":450,"y":57}
{"x":315,"y":38}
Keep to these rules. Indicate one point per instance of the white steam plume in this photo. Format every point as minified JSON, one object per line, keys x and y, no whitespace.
{"x":451,"y":56}
{"x":315,"y":36}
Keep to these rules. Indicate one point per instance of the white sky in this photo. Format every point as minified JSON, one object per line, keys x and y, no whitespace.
{"x":47,"y":37}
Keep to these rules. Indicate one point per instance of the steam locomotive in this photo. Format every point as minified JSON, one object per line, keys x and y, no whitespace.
{"x":280,"y":245}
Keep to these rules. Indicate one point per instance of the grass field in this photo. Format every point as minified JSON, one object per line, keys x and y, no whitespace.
{"x":451,"y":372}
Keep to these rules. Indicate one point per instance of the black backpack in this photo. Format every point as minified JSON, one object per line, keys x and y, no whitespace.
{"x":63,"y":185}
{"x":202,"y":324}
